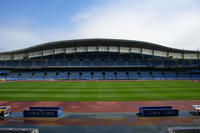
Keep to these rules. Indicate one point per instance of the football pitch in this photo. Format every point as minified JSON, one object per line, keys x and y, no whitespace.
{"x":99,"y":90}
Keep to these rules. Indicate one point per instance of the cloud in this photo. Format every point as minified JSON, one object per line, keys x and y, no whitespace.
{"x":173,"y":23}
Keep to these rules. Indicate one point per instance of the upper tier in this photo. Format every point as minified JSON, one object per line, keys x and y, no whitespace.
{"x":98,"y":45}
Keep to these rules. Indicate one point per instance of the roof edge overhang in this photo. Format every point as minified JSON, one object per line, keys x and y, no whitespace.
{"x":98,"y":42}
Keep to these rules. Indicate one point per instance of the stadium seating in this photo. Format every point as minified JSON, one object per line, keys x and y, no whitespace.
{"x":170,"y":75}
{"x":12,"y":76}
{"x":86,"y":76}
{"x":97,"y":63}
{"x":101,"y":66}
{"x":98,"y":76}
{"x":134,"y":75}
{"x":122,"y":75}
{"x":74,"y":75}
{"x":12,"y":64}
{"x":184,"y":76}
{"x":2,"y":64}
{"x":121,"y":62}
{"x":110,"y":75}
{"x":146,"y":75}
{"x":86,"y":63}
{"x":25,"y":76}
{"x":63,"y":63}
{"x":158,"y":75}
{"x":195,"y":76}
{"x":52,"y":63}
{"x":132,"y":63}
{"x":63,"y":75}
{"x":38,"y":76}
{"x":39,"y":64}
{"x":75,"y":62}
{"x":50,"y":75}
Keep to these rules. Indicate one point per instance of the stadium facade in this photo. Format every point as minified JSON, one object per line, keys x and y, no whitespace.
{"x":100,"y":59}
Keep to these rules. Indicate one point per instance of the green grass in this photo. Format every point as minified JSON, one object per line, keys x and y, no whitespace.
{"x":99,"y":91}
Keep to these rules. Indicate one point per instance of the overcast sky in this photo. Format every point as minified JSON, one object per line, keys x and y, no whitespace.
{"x":173,"y":23}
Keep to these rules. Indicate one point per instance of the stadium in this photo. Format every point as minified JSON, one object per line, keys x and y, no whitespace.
{"x":99,"y":59}
{"x":100,"y":84}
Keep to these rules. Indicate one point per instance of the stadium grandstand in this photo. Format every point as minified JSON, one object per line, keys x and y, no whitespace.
{"x":99,"y":59}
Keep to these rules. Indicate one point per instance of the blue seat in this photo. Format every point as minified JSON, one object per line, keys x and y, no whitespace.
{"x":50,"y":76}
{"x":38,"y":76}
{"x":26,"y":64}
{"x":196,"y":76}
{"x":122,"y":76}
{"x":97,"y":63}
{"x":51,"y":63}
{"x":2,"y":63}
{"x":12,"y":64}
{"x":74,"y":75}
{"x":63,"y":63}
{"x":146,"y":75}
{"x":158,"y":76}
{"x":86,"y":76}
{"x":144,"y":63}
{"x":39,"y":64}
{"x":86,"y":63}
{"x":184,"y":76}
{"x":62,"y":75}
{"x":121,"y":63}
{"x":98,"y":76}
{"x":109,"y":62}
{"x":75,"y":62}
{"x":132,"y":63}
{"x":133,"y":75}
{"x":110,"y":75}
{"x":25,"y":76}
{"x":170,"y":75}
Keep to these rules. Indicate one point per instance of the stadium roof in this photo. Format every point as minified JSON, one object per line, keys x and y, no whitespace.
{"x":98,"y":42}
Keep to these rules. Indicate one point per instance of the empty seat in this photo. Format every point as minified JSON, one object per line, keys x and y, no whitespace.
{"x":62,"y":75}
{"x":110,"y":75}
{"x":158,"y":76}
{"x":63,"y":63}
{"x":143,"y":62}
{"x":50,"y":75}
{"x":196,"y":76}
{"x":2,"y":64}
{"x":86,"y":76}
{"x":184,"y":76}
{"x":170,"y":75}
{"x":51,"y":63}
{"x":97,"y":63}
{"x":122,"y":75}
{"x":86,"y":63}
{"x":195,"y":63}
{"x":13,"y":76}
{"x":98,"y":76}
{"x":169,"y":63}
{"x":121,"y":62}
{"x":26,"y":63}
{"x":74,"y":75}
{"x":156,"y":62}
{"x":12,"y":64}
{"x":75,"y":62}
{"x":39,"y":64}
{"x":133,"y":75}
{"x":38,"y":76}
{"x":132,"y":63}
{"x":25,"y":76}
{"x":109,"y":62}
{"x":146,"y":75}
